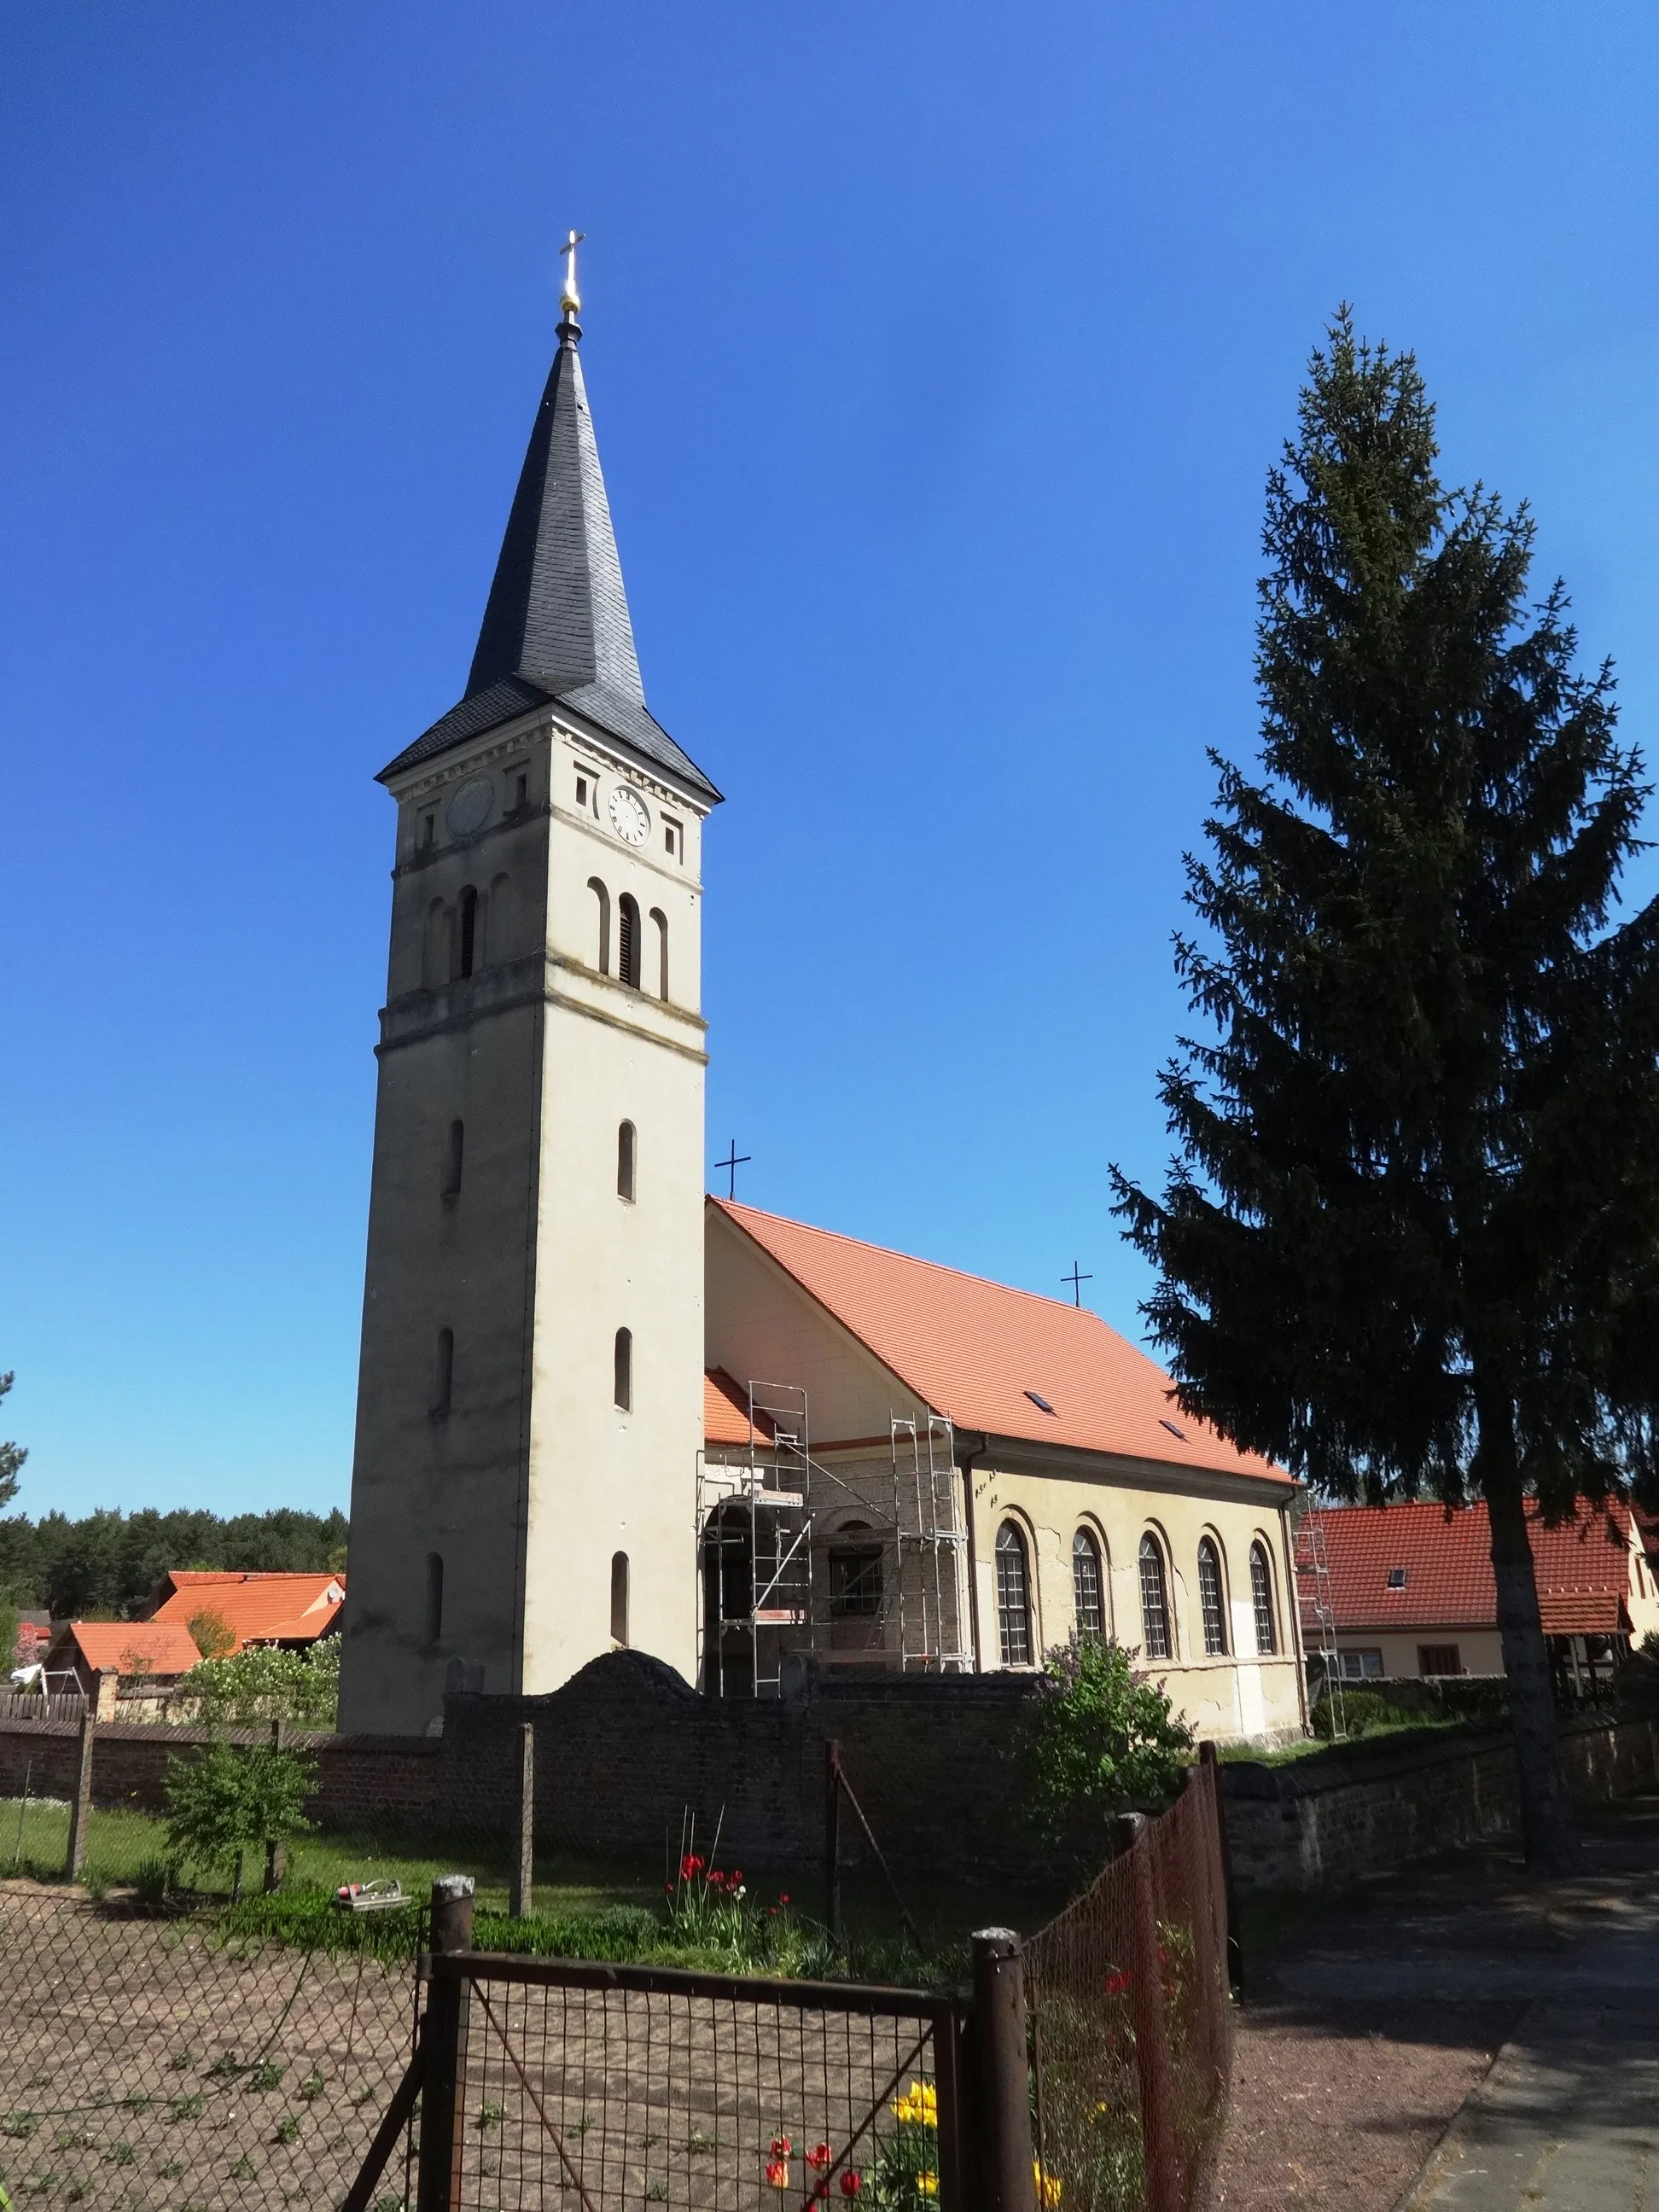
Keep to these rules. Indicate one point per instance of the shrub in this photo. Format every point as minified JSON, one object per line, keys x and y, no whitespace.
{"x":263,"y":1684}
{"x":1103,"y":1740}
{"x":230,"y":1799}
{"x":214,"y":1637}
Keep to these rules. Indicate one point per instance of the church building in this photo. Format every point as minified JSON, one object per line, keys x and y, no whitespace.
{"x":596,"y":1410}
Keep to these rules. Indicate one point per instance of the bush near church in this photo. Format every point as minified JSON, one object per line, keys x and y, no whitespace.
{"x":1103,"y":1740}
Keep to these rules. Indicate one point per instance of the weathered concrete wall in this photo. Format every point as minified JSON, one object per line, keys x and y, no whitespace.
{"x":1319,"y":1827}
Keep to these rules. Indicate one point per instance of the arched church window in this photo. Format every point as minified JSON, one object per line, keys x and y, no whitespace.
{"x":1210,"y":1604}
{"x":1013,"y":1597}
{"x":625,"y":1160}
{"x":501,"y":920}
{"x":454,"y":1150}
{"x":1154,"y":1601}
{"x":628,"y":940}
{"x":661,"y":921}
{"x":466,"y":932}
{"x":1261,"y":1599}
{"x":603,"y":899}
{"x":1088,"y":1592}
{"x":624,"y":1365}
{"x":443,"y":1378}
{"x":619,"y":1598}
{"x":434,"y":1597}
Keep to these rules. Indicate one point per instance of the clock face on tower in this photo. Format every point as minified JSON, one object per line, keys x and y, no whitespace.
{"x":627,"y":816}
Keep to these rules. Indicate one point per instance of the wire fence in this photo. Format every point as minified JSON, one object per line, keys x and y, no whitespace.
{"x":1132,"y":2022}
{"x":624,"y":2086}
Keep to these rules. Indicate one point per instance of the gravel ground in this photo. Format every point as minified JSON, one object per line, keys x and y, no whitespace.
{"x":1339,"y":2112}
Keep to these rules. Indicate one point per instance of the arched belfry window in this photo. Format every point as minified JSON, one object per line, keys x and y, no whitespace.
{"x":619,"y":1597}
{"x":1261,"y":1599}
{"x":1088,"y":1585}
{"x":1155,"y":1628}
{"x":466,"y":932}
{"x":603,"y":899}
{"x":1211,"y":1601}
{"x":625,"y":1149}
{"x":624,"y":1367}
{"x":628,"y":940}
{"x":660,"y":919}
{"x":1013,"y":1597}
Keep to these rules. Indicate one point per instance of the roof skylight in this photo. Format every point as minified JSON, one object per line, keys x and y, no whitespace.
{"x":1041,"y":1402}
{"x":1172,"y":1427}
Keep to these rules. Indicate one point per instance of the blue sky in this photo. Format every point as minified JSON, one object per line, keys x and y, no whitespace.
{"x":937,"y":356}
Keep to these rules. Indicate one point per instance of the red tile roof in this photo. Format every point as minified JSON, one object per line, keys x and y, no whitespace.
{"x":1582,"y":1570}
{"x":977,"y":1351}
{"x":130,"y":1647}
{"x":726,"y":1412}
{"x":257,"y":1607}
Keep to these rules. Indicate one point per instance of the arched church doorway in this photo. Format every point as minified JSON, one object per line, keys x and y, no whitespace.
{"x":728,"y":1600}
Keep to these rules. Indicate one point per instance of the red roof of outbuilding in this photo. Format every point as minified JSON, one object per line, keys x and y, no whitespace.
{"x":257,"y":1607}
{"x":131,"y":1647}
{"x":1582,"y":1569}
{"x":977,"y":1351}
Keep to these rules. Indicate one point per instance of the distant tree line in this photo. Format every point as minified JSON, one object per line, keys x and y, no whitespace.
{"x":107,"y":1563}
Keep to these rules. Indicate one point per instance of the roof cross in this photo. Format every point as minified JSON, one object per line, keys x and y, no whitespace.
{"x":570,"y":299}
{"x":732,"y":1162}
{"x":1077,"y":1281}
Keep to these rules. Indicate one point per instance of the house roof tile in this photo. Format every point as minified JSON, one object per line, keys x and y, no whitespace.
{"x":1582,"y":1569}
{"x":726,"y":1412}
{"x":131,"y":1647}
{"x":995,"y":1358}
{"x":257,"y":1607}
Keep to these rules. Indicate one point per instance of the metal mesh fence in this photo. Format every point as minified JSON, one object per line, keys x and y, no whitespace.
{"x":630,"y":2087}
{"x":1132,"y":2023}
{"x":150,"y":2061}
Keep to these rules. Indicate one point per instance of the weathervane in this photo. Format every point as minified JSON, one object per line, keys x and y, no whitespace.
{"x":570,"y":299}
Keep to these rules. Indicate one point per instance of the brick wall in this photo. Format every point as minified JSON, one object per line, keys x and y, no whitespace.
{"x":625,"y":1747}
{"x":1315,"y":1827}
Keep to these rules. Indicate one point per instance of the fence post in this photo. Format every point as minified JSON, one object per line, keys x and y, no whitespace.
{"x":523,"y":1886}
{"x":1235,"y":1948}
{"x":81,"y":1810}
{"x":445,"y":2048}
{"x":276,"y":1856}
{"x":832,"y":1839}
{"x":1002,"y":2153}
{"x":1162,"y":2189}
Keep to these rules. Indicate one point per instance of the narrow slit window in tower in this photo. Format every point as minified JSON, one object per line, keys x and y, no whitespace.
{"x":453,"y":1151}
{"x":625,"y":1160}
{"x":619,"y":1598}
{"x":434,"y":1597}
{"x":444,"y":1374}
{"x":623,"y":1366}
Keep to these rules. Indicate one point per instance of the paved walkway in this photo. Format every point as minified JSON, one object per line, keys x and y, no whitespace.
{"x":1568,"y":2119}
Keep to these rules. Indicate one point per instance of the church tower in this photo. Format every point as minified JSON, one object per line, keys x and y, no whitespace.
{"x":530,"y":1400}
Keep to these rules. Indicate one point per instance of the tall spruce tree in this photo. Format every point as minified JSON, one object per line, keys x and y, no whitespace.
{"x":1407,"y":1240}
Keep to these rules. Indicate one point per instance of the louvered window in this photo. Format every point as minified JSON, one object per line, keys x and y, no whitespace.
{"x":1154,"y":1602}
{"x":628,"y":940}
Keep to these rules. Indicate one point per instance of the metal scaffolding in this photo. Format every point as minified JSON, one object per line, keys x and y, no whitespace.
{"x":797,"y":1557}
{"x":1316,"y":1611}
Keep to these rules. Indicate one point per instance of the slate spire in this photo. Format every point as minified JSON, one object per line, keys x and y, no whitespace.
{"x":557,"y":625}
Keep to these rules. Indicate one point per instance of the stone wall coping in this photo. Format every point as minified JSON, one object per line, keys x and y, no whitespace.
{"x":1249,"y":1778}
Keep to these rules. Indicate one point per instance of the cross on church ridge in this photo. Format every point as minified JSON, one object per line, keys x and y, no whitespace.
{"x":735,"y":1161}
{"x":1077,"y":1281}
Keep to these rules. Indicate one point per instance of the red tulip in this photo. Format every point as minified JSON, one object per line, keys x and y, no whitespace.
{"x":851,"y":2182}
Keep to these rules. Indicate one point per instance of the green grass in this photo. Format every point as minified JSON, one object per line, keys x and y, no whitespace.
{"x":1379,"y":1736}
{"x":586,"y":1906}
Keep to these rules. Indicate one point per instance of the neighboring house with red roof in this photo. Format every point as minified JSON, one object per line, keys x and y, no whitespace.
{"x":925,"y":1469}
{"x":107,"y":1659}
{"x":290,"y":1610}
{"x":1413,"y":1591}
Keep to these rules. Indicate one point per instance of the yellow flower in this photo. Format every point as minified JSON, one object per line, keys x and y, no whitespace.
{"x":928,"y":2184}
{"x":1050,"y":2187}
{"x":917,"y":2108}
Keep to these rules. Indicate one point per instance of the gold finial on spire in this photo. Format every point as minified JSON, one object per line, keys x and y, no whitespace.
{"x":570,"y":300}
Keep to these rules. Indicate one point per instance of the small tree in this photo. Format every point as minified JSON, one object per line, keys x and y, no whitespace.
{"x":212,"y":1635}
{"x":234,"y":1798}
{"x":1104,"y":1739}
